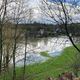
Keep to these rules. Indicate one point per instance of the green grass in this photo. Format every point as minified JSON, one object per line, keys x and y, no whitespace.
{"x":52,"y":67}
{"x":45,"y":54}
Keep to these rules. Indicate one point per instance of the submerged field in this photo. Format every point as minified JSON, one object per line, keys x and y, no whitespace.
{"x":51,"y":68}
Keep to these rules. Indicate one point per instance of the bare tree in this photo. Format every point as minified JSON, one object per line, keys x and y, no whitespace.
{"x":18,"y":12}
{"x":61,"y":13}
{"x":2,"y":18}
{"x":12,"y":13}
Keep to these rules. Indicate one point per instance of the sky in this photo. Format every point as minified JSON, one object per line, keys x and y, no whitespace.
{"x":38,"y":16}
{"x":43,"y":19}
{"x":34,"y":3}
{"x":73,"y":2}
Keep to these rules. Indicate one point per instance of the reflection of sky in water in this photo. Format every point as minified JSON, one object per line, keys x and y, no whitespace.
{"x":32,"y":58}
{"x":54,"y":46}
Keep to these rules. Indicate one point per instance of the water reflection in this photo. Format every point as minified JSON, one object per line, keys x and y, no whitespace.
{"x":54,"y":46}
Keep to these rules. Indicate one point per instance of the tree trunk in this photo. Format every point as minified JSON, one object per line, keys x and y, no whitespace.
{"x":25,"y":57}
{"x":14,"y":52}
{"x":0,"y":48}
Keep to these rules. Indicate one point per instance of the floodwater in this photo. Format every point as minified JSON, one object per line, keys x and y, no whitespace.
{"x":53,"y":46}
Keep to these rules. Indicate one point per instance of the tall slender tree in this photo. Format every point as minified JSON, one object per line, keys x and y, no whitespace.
{"x":61,"y":12}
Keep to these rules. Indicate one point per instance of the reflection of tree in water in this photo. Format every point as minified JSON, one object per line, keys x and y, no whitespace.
{"x":34,"y":42}
{"x":45,"y":40}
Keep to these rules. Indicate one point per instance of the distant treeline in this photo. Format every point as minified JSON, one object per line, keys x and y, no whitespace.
{"x":49,"y":30}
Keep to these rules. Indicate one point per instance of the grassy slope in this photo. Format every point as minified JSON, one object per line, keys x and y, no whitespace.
{"x":52,"y":67}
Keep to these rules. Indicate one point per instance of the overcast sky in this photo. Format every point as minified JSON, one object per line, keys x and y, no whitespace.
{"x":39,"y":16}
{"x":73,"y":2}
{"x":35,"y":3}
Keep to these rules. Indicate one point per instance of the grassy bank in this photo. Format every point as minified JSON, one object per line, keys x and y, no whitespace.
{"x":52,"y":67}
